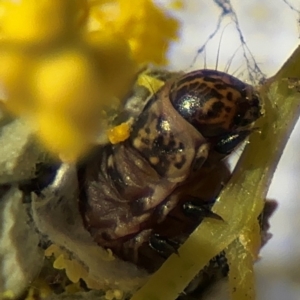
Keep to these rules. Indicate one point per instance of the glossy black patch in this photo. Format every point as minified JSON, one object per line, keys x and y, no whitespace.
{"x":228,"y":142}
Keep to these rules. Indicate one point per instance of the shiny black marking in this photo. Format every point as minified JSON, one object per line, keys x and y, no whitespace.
{"x":189,"y":105}
{"x":162,"y":245}
{"x":199,"y":210}
{"x":228,"y":142}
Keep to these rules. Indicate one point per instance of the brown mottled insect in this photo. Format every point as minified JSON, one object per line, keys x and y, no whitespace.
{"x":142,"y":197}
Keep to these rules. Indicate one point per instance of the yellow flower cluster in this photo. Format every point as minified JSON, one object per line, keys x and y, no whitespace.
{"x":66,"y":63}
{"x":143,"y":24}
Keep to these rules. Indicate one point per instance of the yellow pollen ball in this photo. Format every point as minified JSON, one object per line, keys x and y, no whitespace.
{"x":119,"y":133}
{"x":12,"y":69}
{"x":33,"y":21}
{"x":70,"y":99}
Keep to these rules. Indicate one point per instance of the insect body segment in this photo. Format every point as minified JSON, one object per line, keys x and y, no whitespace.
{"x":132,"y":187}
{"x":160,"y":136}
{"x":215,"y":102}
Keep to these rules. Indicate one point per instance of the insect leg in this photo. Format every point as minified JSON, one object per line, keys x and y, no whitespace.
{"x":164,"y":246}
{"x":198,"y":210}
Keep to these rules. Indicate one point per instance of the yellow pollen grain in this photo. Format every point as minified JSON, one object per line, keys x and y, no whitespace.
{"x":119,"y":133}
{"x":60,"y":262}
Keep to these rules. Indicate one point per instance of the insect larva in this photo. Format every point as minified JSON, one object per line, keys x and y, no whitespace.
{"x":129,"y":189}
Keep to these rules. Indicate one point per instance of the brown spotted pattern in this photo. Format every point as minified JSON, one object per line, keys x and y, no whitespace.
{"x":215,"y":102}
{"x":128,"y":190}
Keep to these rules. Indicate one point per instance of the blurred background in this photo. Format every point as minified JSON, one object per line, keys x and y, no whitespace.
{"x":271,"y":31}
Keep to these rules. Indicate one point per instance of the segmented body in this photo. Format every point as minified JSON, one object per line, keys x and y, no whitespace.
{"x":130,"y":189}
